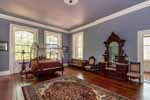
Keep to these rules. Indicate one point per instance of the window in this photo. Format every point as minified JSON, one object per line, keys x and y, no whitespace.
{"x":78,"y":45}
{"x":53,"y":41}
{"x":147,"y":48}
{"x":24,"y":38}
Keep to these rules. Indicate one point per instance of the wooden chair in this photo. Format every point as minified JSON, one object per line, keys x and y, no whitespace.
{"x":91,"y":65}
{"x":134,"y":71}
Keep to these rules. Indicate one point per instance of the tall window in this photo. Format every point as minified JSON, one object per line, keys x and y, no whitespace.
{"x":147,"y":48}
{"x":24,"y":38}
{"x":78,"y":45}
{"x":53,"y":41}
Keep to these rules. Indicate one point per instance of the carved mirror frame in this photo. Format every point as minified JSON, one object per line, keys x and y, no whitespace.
{"x":121,"y":58}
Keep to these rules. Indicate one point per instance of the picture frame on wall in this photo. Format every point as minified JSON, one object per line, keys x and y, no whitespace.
{"x":3,"y":46}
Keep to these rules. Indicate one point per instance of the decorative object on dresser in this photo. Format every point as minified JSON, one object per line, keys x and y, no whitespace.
{"x":91,"y":65}
{"x":77,"y":63}
{"x":134,"y":71}
{"x":115,"y":63}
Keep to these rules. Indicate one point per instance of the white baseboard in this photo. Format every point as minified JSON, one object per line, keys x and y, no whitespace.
{"x":3,"y":73}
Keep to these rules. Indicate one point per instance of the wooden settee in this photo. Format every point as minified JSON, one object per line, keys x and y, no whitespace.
{"x":77,"y":63}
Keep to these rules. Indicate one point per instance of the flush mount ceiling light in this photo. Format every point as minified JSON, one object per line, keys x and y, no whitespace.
{"x":71,"y":2}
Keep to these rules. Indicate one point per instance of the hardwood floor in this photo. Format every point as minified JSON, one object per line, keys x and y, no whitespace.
{"x":10,"y":86}
{"x":147,"y":76}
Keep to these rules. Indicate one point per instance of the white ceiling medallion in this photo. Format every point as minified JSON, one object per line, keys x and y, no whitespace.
{"x":71,"y":2}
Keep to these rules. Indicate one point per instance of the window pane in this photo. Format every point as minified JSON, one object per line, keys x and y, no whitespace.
{"x":146,"y":40}
{"x":53,"y":41}
{"x":23,"y":41}
{"x":146,"y":48}
{"x":27,"y":56}
{"x":18,"y":48}
{"x":18,"y":56}
{"x":78,"y":45}
{"x":147,"y":52}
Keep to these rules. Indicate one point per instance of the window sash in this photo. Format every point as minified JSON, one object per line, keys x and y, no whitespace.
{"x":24,"y":38}
{"x":18,"y":56}
{"x":53,"y":40}
{"x":78,"y":45}
{"x":147,"y":48}
{"x":146,"y":52}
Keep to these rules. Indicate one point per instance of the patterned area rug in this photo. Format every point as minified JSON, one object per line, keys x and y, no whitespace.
{"x":68,"y":88}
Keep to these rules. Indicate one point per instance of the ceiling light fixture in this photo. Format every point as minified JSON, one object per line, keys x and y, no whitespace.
{"x":71,"y":2}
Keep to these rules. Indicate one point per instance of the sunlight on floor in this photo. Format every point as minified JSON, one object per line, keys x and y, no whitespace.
{"x":80,"y":76}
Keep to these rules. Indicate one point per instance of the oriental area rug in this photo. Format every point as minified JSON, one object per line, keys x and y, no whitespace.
{"x":68,"y":88}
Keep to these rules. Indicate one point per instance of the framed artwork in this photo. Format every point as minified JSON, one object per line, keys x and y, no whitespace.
{"x":3,"y":46}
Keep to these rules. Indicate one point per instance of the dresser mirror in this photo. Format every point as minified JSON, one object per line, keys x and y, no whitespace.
{"x":114,"y":49}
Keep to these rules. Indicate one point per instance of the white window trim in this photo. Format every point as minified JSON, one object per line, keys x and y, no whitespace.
{"x":24,"y":28}
{"x":73,"y":45}
{"x":12,"y":43}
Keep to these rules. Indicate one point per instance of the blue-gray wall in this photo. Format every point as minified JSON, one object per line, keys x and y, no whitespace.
{"x":4,"y":36}
{"x":125,"y":26}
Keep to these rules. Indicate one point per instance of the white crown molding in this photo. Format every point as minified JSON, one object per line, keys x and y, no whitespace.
{"x":99,"y":21}
{"x":20,"y":20}
{"x":3,"y":73}
{"x":115,"y":15}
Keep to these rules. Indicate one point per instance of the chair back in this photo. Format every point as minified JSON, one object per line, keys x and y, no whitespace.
{"x":92,"y":60}
{"x":135,"y":67}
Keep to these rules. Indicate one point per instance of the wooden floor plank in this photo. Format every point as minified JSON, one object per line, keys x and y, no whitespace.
{"x":10,"y":86}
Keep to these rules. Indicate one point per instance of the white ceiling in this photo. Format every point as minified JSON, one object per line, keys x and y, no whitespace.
{"x":57,"y":13}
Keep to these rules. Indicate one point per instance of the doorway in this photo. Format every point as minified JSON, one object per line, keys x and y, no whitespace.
{"x":146,"y":57}
{"x":144,"y":54}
